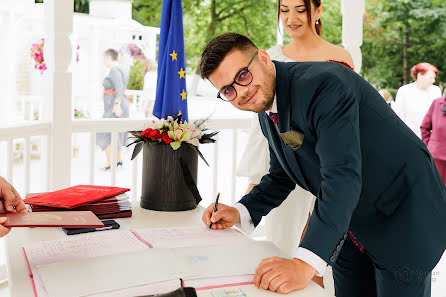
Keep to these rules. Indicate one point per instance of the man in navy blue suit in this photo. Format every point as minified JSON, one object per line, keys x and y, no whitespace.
{"x":380,"y":210}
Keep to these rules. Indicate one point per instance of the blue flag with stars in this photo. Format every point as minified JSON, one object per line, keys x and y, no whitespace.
{"x":171,"y":85}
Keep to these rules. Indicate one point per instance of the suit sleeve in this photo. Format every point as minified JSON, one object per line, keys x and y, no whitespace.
{"x":426,"y":125}
{"x":272,"y":190}
{"x":334,"y":116}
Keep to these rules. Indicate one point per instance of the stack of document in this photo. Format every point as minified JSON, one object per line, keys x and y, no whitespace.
{"x":104,"y":202}
{"x":144,"y":261}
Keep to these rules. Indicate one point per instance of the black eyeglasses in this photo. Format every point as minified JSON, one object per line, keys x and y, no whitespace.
{"x":242,"y":78}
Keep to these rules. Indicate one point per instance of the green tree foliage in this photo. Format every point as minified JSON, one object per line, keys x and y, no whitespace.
{"x":147,"y":12}
{"x":399,"y":34}
{"x":136,"y":76}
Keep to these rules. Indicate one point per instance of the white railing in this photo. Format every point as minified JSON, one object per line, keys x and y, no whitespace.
{"x":114,"y":126}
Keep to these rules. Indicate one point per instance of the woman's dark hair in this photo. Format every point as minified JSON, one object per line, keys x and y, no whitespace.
{"x":316,"y":4}
{"x":112,"y":54}
{"x":217,"y":49}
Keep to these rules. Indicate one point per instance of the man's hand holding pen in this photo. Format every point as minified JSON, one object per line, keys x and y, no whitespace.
{"x":224,"y":216}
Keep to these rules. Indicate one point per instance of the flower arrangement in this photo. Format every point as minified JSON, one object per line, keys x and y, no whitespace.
{"x":134,"y":51}
{"x":37,"y":55}
{"x":173,"y":132}
{"x":78,"y":114}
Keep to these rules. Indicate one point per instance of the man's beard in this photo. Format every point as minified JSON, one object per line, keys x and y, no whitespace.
{"x":267,"y":88}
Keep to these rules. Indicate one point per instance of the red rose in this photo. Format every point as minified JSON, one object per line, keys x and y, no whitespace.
{"x":166,"y":138}
{"x":154,"y":134}
{"x":145,"y":134}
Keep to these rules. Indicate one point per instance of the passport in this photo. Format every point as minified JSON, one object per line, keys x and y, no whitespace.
{"x":67,"y":219}
{"x":75,"y":196}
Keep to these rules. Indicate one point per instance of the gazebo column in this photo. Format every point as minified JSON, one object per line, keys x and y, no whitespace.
{"x":57,"y":53}
{"x":352,"y":23}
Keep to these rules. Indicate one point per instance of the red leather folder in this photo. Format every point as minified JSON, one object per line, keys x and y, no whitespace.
{"x":75,"y":196}
{"x":67,"y":219}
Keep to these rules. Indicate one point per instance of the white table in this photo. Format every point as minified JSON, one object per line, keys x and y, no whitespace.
{"x":19,"y":281}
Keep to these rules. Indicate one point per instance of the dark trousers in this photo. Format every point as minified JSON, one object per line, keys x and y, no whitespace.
{"x":357,"y":275}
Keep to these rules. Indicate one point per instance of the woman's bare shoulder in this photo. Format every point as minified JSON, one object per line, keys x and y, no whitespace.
{"x":338,"y":54}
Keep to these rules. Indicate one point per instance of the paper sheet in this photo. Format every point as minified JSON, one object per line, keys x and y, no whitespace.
{"x":190,"y":236}
{"x":114,"y":272}
{"x":78,"y":247}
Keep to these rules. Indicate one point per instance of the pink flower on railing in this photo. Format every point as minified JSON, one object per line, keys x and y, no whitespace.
{"x":77,"y":54}
{"x":37,"y":56}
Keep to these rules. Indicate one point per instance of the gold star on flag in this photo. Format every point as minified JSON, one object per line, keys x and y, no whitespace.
{"x":173,"y":55}
{"x":183,"y":95}
{"x":181,"y":73}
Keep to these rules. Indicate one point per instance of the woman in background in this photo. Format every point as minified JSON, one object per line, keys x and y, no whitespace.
{"x":386,"y":96}
{"x":149,"y":87}
{"x":433,"y":133}
{"x":116,"y":104}
{"x":285,"y":225}
{"x":413,"y":100}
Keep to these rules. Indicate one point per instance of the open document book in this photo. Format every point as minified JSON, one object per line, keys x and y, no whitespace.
{"x":144,"y":261}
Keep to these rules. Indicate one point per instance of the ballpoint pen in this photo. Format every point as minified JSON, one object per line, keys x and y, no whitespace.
{"x":215,"y":208}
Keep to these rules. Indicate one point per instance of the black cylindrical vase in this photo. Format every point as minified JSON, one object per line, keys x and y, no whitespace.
{"x":163,"y":184}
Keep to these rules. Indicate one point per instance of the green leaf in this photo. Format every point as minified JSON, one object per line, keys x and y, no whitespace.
{"x":175,"y":145}
{"x":137,"y":149}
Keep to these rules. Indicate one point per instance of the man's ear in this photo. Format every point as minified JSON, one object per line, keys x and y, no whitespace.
{"x":264,"y":57}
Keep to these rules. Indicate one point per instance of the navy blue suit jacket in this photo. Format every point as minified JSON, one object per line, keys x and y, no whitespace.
{"x":370,"y":173}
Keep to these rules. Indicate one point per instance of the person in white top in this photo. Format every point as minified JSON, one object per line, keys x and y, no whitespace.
{"x":149,"y":86}
{"x":285,"y":225}
{"x":413,"y":100}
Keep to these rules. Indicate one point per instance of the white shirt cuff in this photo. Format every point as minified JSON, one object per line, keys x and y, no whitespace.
{"x":312,"y":259}
{"x":246,"y":223}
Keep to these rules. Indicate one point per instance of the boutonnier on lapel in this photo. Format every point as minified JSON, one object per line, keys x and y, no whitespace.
{"x":293,"y":139}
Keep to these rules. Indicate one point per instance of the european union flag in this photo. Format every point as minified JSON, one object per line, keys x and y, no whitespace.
{"x":171,"y":87}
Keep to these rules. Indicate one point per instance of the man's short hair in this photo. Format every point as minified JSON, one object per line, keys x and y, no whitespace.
{"x":112,"y":53}
{"x":217,"y":49}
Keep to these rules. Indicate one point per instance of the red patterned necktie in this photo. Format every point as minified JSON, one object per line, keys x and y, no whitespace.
{"x":273,"y":117}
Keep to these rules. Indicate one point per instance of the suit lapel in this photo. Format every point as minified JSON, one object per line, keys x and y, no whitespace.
{"x":275,"y":143}
{"x":284,"y":105}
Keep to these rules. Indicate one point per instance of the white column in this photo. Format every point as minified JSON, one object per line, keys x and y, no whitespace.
{"x":7,"y":111}
{"x":352,"y":23}
{"x":59,"y":27}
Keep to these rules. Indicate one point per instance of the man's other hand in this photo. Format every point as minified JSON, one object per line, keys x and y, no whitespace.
{"x":283,"y":275}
